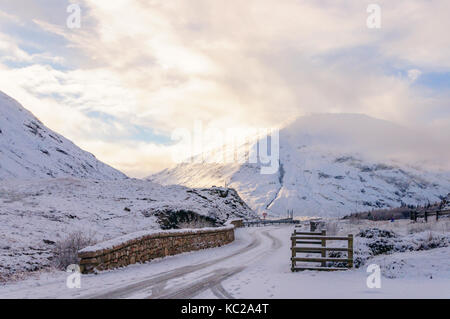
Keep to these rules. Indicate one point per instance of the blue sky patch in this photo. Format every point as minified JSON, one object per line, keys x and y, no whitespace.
{"x":135,"y":132}
{"x":435,"y":80}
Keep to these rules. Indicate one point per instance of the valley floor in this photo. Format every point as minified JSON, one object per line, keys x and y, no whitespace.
{"x":256,"y":265}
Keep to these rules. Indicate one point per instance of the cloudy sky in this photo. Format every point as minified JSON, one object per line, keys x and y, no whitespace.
{"x":136,"y":70}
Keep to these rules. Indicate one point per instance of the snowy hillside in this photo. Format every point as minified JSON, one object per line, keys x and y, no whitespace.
{"x":328,"y":167}
{"x":34,"y":215}
{"x":50,"y":189}
{"x":28,"y":149}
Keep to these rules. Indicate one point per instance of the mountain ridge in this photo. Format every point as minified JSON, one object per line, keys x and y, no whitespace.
{"x":28,"y":149}
{"x":324,"y":170}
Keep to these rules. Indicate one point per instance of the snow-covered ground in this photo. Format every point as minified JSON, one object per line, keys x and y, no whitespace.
{"x":257,"y":265}
{"x":35,"y":214}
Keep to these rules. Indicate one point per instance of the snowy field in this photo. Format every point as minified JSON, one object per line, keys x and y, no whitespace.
{"x":36,"y":214}
{"x":257,"y":265}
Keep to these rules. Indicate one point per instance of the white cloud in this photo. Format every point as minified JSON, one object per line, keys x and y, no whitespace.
{"x":414,"y":74}
{"x":166,"y":64}
{"x":10,"y":51}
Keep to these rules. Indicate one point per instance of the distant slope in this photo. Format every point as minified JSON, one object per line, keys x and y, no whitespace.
{"x":28,"y":149}
{"x":330,"y":165}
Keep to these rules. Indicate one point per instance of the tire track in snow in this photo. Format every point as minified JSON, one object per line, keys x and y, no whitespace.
{"x":213,"y":280}
{"x":156,"y":284}
{"x":159,"y":279}
{"x":220,"y":292}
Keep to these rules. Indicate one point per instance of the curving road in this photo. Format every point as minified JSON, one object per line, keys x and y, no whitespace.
{"x":255,"y":265}
{"x":187,"y":275}
{"x":188,"y":281}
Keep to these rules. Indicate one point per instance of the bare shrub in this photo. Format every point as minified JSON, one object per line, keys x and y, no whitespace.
{"x":66,"y":250}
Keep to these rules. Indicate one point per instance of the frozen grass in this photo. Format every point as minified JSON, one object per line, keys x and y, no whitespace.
{"x":419,"y":227}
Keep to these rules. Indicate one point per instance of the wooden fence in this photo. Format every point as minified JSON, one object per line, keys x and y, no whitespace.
{"x":319,"y":239}
{"x":268,"y":222}
{"x":414,"y":215}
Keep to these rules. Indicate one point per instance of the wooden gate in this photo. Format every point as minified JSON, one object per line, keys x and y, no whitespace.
{"x":319,"y":242}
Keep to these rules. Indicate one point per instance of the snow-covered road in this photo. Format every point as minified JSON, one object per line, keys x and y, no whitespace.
{"x":189,"y":281}
{"x":181,"y":276}
{"x":256,"y":265}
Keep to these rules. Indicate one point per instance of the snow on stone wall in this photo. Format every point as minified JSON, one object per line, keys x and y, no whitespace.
{"x":147,"y":245}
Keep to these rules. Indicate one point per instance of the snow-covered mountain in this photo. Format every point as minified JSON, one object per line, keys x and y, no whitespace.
{"x":50,"y":189}
{"x":28,"y":149}
{"x":330,"y":165}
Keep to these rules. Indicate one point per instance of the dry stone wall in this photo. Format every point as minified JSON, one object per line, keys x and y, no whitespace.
{"x":236,"y":222}
{"x":147,"y":245}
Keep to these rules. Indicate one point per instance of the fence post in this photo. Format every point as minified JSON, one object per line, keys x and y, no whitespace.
{"x":426,"y":217}
{"x":324,"y":244}
{"x":437,"y":216}
{"x":350,"y":251}
{"x":293,"y":252}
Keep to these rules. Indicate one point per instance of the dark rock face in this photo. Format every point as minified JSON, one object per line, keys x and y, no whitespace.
{"x":184,"y":219}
